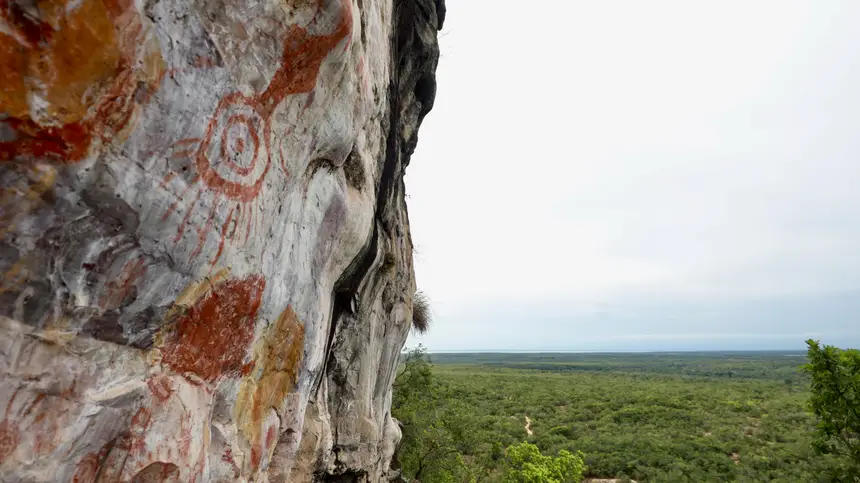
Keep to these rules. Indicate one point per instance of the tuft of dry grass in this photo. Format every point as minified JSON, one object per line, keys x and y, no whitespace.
{"x":421,"y":316}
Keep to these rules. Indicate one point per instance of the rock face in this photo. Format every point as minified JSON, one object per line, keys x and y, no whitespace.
{"x":205,"y":260}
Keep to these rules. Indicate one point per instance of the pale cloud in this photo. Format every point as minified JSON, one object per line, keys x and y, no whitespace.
{"x":585,"y":158}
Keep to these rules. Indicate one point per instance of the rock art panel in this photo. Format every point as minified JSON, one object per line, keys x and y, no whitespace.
{"x":74,"y":73}
{"x":211,"y":338}
{"x":205,"y":260}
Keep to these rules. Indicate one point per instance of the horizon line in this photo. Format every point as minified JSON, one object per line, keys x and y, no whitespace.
{"x":551,"y":351}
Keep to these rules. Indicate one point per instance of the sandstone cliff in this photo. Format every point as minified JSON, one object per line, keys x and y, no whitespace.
{"x":205,"y":260}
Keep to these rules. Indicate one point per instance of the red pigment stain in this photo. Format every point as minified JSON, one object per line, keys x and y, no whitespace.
{"x":212,"y":337}
{"x":186,"y":436}
{"x":245,"y":189}
{"x":137,"y":430}
{"x":185,"y":441}
{"x":157,"y":472}
{"x":215,"y":154}
{"x":300,"y":62}
{"x":256,"y":456}
{"x":117,"y":291}
{"x":109,"y":463}
{"x":225,"y":234}
{"x":111,"y":466}
{"x":88,"y":468}
{"x":41,"y":423}
{"x":25,"y":29}
{"x":227,"y":457}
{"x":141,"y":418}
{"x":9,"y":437}
{"x":258,"y":450}
{"x":68,"y":143}
{"x":270,"y":436}
{"x":197,"y":474}
{"x":362,"y":72}
{"x":204,"y":62}
{"x":160,"y":387}
{"x":202,"y":231}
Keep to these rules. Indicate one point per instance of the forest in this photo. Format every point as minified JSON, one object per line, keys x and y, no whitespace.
{"x":649,"y":417}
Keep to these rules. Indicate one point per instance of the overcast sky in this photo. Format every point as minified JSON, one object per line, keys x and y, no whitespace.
{"x":607,"y":175}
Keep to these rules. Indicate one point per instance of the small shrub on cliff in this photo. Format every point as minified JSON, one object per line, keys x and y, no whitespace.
{"x":421,"y":316}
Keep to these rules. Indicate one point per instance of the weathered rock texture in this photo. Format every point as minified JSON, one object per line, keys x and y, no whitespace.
{"x":205,"y":261}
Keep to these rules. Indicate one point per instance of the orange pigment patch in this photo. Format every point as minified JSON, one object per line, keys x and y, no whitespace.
{"x":13,"y":65}
{"x":211,"y":338}
{"x":82,"y":53}
{"x":277,"y":357}
{"x":69,"y":72}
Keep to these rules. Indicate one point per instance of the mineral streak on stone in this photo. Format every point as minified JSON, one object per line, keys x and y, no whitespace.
{"x":205,"y":260}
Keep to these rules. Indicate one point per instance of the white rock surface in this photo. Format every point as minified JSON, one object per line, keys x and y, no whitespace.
{"x":205,"y":261}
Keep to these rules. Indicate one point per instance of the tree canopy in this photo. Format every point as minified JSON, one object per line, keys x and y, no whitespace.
{"x":528,"y":465}
{"x":835,"y":401}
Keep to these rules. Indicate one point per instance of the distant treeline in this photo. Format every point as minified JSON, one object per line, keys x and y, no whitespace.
{"x":744,"y":365}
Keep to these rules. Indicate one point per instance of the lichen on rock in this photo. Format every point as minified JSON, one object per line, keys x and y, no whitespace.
{"x":205,"y":260}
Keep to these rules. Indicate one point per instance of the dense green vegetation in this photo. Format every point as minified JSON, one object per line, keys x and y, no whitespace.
{"x":659,"y":417}
{"x":526,"y":464}
{"x":835,"y":400}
